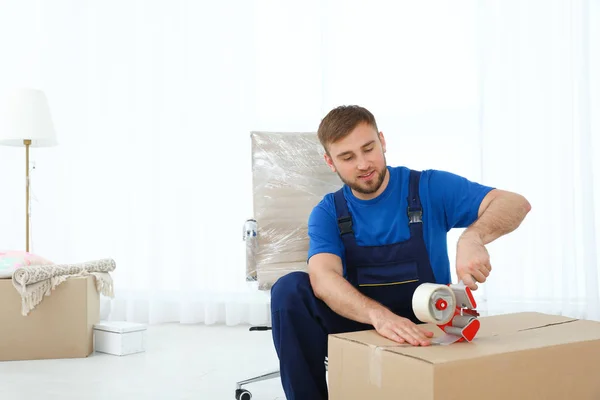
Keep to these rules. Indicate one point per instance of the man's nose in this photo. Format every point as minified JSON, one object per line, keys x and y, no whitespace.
{"x":362,"y":163}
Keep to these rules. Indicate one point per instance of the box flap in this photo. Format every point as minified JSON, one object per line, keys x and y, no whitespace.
{"x":532,"y":338}
{"x":518,"y":331}
{"x":508,"y":323}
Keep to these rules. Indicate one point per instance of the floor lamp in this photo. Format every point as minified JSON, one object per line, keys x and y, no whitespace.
{"x":25,"y":120}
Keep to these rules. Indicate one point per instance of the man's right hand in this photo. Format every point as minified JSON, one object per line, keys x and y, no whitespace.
{"x":329,"y":285}
{"x":400,"y":329}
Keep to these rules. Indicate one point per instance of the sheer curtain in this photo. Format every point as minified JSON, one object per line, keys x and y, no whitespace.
{"x":540,"y":114}
{"x":153,"y":102}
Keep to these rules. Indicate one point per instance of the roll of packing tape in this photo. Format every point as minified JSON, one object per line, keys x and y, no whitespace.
{"x":434,"y":303}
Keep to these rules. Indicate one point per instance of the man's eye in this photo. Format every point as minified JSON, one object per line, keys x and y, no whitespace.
{"x":369,"y":149}
{"x":348,"y":158}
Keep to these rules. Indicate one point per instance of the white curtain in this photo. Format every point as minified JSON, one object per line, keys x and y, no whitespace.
{"x":153,"y":102}
{"x":540,"y":127}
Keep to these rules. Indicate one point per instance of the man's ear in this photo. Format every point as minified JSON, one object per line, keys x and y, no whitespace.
{"x":329,"y":162}
{"x":382,"y":140}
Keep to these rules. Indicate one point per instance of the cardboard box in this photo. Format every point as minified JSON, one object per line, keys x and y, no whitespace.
{"x":514,"y":356}
{"x":61,"y":326}
{"x":120,"y":338}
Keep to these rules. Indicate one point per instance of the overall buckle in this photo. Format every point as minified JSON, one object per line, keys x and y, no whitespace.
{"x":345,"y":225}
{"x":415,"y":216}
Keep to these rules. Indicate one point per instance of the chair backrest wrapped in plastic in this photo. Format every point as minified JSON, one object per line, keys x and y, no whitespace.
{"x":290,"y":177}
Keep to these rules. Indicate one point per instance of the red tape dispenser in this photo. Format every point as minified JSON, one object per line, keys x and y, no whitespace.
{"x":451,"y":307}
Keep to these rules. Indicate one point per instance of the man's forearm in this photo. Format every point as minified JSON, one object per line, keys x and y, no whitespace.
{"x":344,"y":299}
{"x":503,"y":215}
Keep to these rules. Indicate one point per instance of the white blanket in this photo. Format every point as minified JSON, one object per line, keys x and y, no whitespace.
{"x":36,"y":281}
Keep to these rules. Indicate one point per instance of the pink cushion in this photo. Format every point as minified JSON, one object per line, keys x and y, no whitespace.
{"x":12,"y":259}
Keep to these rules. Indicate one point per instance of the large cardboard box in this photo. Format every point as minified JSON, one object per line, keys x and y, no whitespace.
{"x":61,"y":326}
{"x":514,"y":356}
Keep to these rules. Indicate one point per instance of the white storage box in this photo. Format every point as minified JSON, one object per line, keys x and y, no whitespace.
{"x":119,"y":337}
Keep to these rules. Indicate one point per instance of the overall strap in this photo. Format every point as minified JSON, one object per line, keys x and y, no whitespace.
{"x":344,"y":219}
{"x":415,"y":211}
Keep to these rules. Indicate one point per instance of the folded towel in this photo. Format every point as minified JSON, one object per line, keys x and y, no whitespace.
{"x":36,"y":281}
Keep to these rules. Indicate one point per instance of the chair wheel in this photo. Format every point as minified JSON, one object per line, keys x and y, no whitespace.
{"x":242,"y":394}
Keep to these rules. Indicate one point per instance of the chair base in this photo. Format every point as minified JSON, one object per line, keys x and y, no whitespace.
{"x":244,"y":394}
{"x":263,"y":377}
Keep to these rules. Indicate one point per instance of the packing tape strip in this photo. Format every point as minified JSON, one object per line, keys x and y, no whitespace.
{"x":375,"y":366}
{"x":375,"y":363}
{"x":446,"y":339}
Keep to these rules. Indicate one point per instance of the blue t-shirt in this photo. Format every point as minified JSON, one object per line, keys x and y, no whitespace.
{"x":448,"y":201}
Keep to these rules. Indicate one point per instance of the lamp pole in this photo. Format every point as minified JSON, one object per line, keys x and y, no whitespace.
{"x":27,"y":143}
{"x":26,"y":120}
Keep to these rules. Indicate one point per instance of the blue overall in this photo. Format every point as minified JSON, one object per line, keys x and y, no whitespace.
{"x":388,"y":274}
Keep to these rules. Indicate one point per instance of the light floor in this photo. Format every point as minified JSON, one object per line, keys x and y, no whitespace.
{"x":181,"y":362}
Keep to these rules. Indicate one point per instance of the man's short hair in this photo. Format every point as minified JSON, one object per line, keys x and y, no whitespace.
{"x":342,"y":120}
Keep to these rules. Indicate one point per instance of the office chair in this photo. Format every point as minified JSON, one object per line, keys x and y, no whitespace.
{"x":250,"y":235}
{"x":289,"y":177}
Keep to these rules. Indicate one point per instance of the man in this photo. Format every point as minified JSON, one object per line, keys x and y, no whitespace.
{"x":372,"y":243}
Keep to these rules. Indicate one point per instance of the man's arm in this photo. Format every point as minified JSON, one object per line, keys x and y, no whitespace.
{"x":329,"y":285}
{"x":325,"y":271}
{"x":500,"y":213}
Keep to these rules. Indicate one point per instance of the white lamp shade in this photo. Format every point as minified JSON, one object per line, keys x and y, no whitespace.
{"x":25,"y":115}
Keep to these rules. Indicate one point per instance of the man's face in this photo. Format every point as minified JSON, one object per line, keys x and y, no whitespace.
{"x":359,"y":160}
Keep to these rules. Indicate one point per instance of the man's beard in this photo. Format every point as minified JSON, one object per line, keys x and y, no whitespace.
{"x":368,"y":187}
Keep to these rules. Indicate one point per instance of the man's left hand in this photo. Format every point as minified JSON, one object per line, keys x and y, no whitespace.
{"x":472,"y":260}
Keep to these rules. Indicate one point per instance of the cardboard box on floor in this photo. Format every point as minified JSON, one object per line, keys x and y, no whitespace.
{"x":61,"y":326}
{"x":514,"y":356}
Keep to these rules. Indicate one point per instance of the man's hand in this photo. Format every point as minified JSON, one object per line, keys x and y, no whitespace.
{"x":499,"y":213}
{"x":399,"y":329}
{"x":472,"y":260}
{"x":325,"y":271}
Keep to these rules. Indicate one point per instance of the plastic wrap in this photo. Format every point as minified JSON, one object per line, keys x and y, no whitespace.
{"x":289,"y":177}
